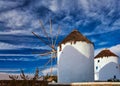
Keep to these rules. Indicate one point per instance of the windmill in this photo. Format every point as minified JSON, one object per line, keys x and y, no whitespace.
{"x":52,"y":43}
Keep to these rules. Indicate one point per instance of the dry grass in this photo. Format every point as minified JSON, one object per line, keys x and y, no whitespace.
{"x":23,"y":83}
{"x":27,"y":81}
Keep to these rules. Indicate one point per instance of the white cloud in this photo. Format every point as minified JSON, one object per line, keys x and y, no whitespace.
{"x":4,"y":76}
{"x":11,"y":46}
{"x":10,"y":70}
{"x":102,"y":43}
{"x":102,"y":29}
{"x":7,"y":46}
{"x":84,"y":4}
{"x":116,"y":49}
{"x":92,"y":9}
{"x":48,"y":70}
{"x":117,"y":23}
{"x":54,"y":5}
{"x":17,"y":59}
{"x":98,"y":51}
{"x":17,"y":32}
{"x":35,"y":23}
{"x":93,"y":40}
{"x":22,"y":57}
{"x":16,"y":54}
{"x":5,"y":4}
{"x":15,"y":18}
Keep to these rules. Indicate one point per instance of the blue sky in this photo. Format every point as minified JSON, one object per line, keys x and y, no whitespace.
{"x":98,"y":20}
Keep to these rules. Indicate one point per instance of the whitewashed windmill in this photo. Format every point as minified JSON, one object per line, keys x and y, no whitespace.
{"x":75,"y":59}
{"x":52,"y":43}
{"x":106,"y":66}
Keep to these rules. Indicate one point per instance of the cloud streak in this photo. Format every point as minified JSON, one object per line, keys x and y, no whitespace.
{"x":48,"y":70}
{"x":78,"y":14}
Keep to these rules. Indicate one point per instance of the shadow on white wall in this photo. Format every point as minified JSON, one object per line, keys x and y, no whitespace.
{"x":110,"y":70}
{"x":74,"y":66}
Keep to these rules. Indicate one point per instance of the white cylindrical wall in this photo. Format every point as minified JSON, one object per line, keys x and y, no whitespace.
{"x":106,"y":68}
{"x":75,"y":62}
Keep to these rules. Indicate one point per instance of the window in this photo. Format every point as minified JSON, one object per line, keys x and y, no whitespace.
{"x":114,"y":76}
{"x":98,"y":61}
{"x":96,"y":67}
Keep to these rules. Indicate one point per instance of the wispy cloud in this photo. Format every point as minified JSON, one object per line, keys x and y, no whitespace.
{"x":48,"y":70}
{"x":8,"y":46}
{"x":116,"y":49}
{"x":102,"y":43}
{"x":16,"y":55}
{"x":10,"y":70}
{"x":98,"y":51}
{"x":15,"y":18}
{"x":102,"y":29}
{"x":17,"y":59}
{"x":6,"y":5}
{"x":18,"y":19}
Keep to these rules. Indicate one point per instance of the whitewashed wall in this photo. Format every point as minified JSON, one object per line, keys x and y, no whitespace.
{"x":106,"y":68}
{"x":76,"y":62}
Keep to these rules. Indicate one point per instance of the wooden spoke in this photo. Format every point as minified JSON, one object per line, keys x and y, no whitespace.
{"x":47,"y":62}
{"x":44,"y":54}
{"x":52,"y":41}
{"x":51,"y":66}
{"x":58,"y":32}
{"x":51,"y":35}
{"x":41,"y":39}
{"x":44,"y":30}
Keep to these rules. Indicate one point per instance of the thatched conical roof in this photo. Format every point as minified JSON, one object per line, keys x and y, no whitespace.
{"x":105,"y":53}
{"x":74,"y":36}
